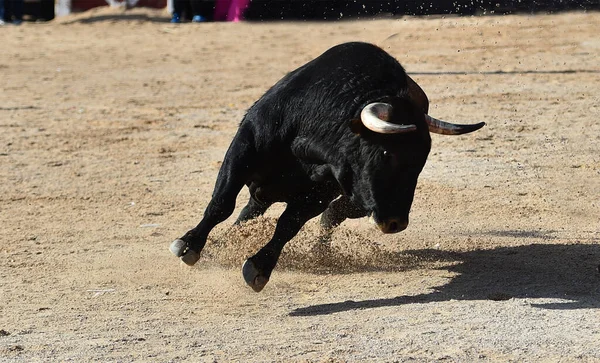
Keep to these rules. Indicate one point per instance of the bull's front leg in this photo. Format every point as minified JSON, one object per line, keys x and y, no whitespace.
{"x":189,"y":246}
{"x":237,"y":165}
{"x":257,"y":269}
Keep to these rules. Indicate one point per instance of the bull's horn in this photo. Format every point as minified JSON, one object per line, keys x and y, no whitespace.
{"x":375,"y":115}
{"x":446,"y":128}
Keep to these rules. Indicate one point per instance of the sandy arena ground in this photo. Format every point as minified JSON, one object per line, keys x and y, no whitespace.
{"x":112,"y":129}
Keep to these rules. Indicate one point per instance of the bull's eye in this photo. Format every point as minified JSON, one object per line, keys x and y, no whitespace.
{"x":386,"y":156}
{"x":390,"y":158}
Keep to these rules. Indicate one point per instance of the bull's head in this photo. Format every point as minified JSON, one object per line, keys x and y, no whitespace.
{"x":393,"y":154}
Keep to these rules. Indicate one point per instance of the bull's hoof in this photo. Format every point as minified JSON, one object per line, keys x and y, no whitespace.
{"x":253,"y":276}
{"x":178,"y":247}
{"x":190,"y":257}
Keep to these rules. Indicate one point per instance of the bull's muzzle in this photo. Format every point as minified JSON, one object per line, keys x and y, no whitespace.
{"x":393,"y":225}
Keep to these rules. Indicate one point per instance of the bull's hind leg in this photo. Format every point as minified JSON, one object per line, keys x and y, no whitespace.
{"x":337,"y":212}
{"x":252,"y":210}
{"x":257,"y":269}
{"x":237,"y":165}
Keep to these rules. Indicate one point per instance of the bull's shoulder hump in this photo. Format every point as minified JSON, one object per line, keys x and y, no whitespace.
{"x":353,"y":49}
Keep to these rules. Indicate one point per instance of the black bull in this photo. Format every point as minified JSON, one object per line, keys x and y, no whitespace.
{"x":345,"y":135}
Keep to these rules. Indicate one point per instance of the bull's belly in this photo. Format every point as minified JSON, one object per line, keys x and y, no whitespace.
{"x":269,"y":194}
{"x":272,"y":191}
{"x":284,"y":179}
{"x":275,"y":191}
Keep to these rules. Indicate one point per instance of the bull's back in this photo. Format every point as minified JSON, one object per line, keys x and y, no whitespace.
{"x":330,"y":89}
{"x":347,"y":72}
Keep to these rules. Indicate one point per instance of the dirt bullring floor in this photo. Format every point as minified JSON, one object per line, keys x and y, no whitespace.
{"x":112,"y":129}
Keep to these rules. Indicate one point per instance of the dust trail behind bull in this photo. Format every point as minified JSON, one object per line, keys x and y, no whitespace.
{"x":349,"y":251}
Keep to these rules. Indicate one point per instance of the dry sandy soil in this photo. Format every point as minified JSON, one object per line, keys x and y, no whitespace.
{"x":112,"y":129}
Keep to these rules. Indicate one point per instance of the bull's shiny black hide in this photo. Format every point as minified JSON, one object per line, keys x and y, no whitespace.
{"x":303,"y":143}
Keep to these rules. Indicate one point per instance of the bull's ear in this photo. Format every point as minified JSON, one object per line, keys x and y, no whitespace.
{"x":357,"y":127}
{"x":417,"y":95}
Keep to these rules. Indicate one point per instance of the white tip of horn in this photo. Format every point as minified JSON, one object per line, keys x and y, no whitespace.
{"x":375,"y":115}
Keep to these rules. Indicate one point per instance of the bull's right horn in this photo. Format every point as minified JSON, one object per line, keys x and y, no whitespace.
{"x":375,"y":115}
{"x":446,"y":128}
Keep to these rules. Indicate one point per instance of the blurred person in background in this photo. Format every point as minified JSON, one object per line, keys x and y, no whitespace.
{"x":1,"y":12}
{"x":197,"y":11}
{"x":230,"y":10}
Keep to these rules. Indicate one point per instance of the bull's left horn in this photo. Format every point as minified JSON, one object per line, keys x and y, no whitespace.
{"x":375,"y":115}
{"x":446,"y":128}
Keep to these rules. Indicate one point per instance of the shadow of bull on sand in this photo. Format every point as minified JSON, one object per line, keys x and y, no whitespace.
{"x":569,"y":272}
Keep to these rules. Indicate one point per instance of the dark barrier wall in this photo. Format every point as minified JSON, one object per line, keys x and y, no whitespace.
{"x":347,"y":9}
{"x":44,"y":9}
{"x":39,"y":9}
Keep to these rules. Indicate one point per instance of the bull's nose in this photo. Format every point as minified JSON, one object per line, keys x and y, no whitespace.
{"x":393,"y":225}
